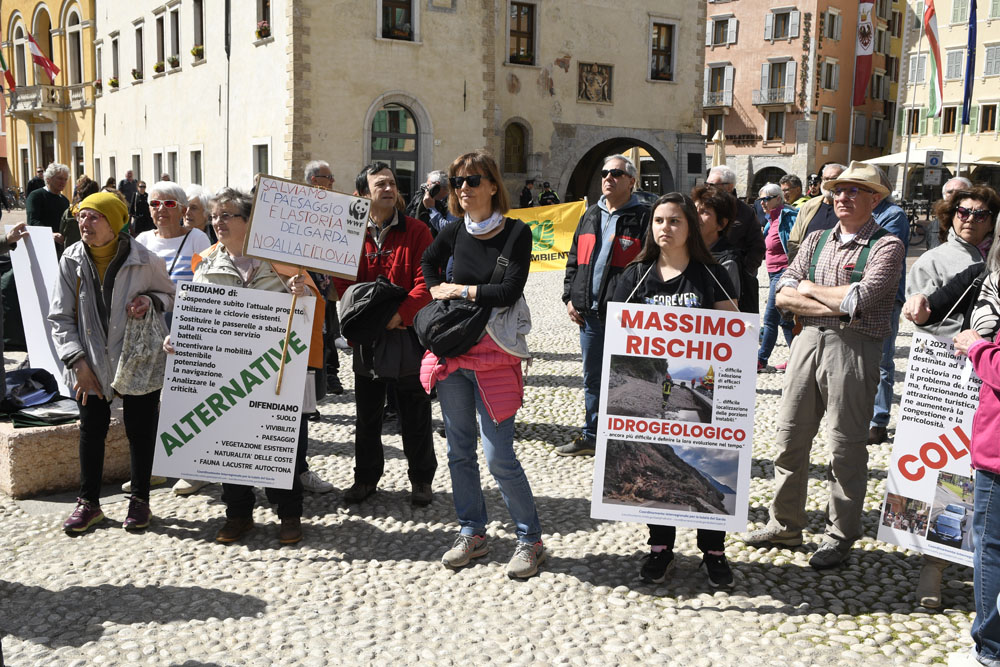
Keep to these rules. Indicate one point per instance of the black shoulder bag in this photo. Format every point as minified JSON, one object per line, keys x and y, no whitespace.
{"x":450,"y":327}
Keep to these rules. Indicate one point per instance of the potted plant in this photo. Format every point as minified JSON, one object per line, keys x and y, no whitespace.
{"x":137,"y":73}
{"x":158,"y":67}
{"x":98,"y":85}
{"x":113,"y":82}
{"x":174,"y":61}
{"x":263,"y":29}
{"x":198,"y":51}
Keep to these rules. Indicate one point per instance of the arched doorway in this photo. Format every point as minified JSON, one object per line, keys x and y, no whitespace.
{"x":763,"y":177}
{"x":654,"y":173}
{"x":394,"y":141}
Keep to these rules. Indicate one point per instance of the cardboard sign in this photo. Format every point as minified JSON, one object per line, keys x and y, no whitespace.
{"x":675,"y":429}
{"x":36,"y":269}
{"x":928,"y":503}
{"x":220,"y":419}
{"x":298,"y":224}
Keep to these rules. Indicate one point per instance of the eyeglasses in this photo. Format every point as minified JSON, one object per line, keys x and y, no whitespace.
{"x":166,"y":203}
{"x":87,"y":215}
{"x":851,"y":192}
{"x":617,"y":173}
{"x":458,"y":181}
{"x":377,"y":256}
{"x":764,"y":199}
{"x":977,"y":215}
{"x":226,"y":217}
{"x":329,"y":178}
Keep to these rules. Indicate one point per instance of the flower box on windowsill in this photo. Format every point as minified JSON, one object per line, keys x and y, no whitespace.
{"x":174,"y":62}
{"x":158,"y":67}
{"x":263,"y":30}
{"x":113,"y":82}
{"x":402,"y":34}
{"x":263,"y":41}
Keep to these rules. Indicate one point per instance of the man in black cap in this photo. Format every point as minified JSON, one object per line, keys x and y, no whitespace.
{"x":547,"y":197}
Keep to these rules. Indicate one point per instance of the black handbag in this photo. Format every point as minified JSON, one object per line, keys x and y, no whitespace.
{"x":450,"y":327}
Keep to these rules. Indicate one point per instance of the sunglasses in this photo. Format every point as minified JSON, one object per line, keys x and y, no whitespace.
{"x":617,"y":173}
{"x":764,"y":199}
{"x":977,"y":215}
{"x":166,"y":203}
{"x":851,"y":192}
{"x":458,"y":181}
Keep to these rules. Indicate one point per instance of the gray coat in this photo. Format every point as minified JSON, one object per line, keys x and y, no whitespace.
{"x":96,"y":328}
{"x":935,"y":268}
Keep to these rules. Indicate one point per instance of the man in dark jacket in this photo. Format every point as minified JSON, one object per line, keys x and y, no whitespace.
{"x":128,"y":186}
{"x":548,"y":197}
{"x":609,"y":236}
{"x":744,"y":233}
{"x":37,"y":183}
{"x":393,"y":246}
{"x":527,"y":199}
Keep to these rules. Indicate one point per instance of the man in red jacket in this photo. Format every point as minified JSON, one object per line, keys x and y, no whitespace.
{"x":393,"y":247}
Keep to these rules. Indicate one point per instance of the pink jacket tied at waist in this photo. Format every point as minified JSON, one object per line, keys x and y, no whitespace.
{"x":498,"y":374}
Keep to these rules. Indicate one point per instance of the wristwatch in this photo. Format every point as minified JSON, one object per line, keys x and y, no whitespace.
{"x":465,"y":292}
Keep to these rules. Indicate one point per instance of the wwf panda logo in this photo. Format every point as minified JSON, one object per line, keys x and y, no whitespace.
{"x":359,"y":209}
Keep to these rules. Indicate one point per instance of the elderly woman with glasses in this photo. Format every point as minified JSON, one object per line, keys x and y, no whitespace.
{"x":175,"y":244}
{"x":197,"y":214}
{"x":780,"y":220}
{"x":103,"y":280}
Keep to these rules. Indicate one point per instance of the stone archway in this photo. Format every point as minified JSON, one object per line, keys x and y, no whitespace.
{"x":763,"y":177}
{"x":585,"y":180}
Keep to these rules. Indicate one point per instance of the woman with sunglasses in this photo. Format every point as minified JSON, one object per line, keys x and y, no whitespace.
{"x":174,"y":244}
{"x":780,"y":220}
{"x":487,"y":380}
{"x":675,"y":268}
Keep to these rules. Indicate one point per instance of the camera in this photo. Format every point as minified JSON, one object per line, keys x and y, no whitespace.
{"x":432,"y":191}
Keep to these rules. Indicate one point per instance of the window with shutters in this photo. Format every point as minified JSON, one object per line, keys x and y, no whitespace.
{"x":661,"y":54}
{"x":988,"y":118}
{"x":827,"y":120}
{"x":718,"y":86}
{"x":720,"y":30}
{"x":960,"y":11}
{"x":991,"y":63}
{"x":995,"y":9}
{"x":876,"y":133}
{"x":832,"y":25}
{"x":775,"y":125}
{"x":882,"y":9}
{"x":831,"y":75}
{"x":913,"y":121}
{"x":881,"y":41}
{"x":781,"y":24}
{"x":892,"y":68}
{"x":896,"y":24}
{"x":879,"y":88}
{"x":715,"y":123}
{"x":948,"y":116}
{"x":953,"y":64}
{"x":918,"y":69}
{"x":860,"y":129}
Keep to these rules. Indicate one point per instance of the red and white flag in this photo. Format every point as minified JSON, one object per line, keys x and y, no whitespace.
{"x":936,"y":89}
{"x":864,"y":50}
{"x":39,"y":59}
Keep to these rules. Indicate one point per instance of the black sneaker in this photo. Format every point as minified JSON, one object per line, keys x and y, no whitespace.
{"x":657,"y":564}
{"x":720,"y":575}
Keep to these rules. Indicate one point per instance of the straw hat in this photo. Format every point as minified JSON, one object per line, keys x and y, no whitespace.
{"x":862,"y":175}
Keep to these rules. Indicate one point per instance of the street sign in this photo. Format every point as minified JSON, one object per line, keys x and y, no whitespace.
{"x":932,"y":176}
{"x":934,"y":159}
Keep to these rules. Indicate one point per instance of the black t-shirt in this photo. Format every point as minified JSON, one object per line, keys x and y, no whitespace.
{"x":824,"y":219}
{"x":693,"y":288}
{"x":475,"y":260}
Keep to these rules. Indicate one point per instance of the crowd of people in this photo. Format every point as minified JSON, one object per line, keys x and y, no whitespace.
{"x":835,"y":258}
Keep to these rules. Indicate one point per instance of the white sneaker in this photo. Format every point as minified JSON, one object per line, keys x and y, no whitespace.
{"x":185,"y":487}
{"x":341,"y":343}
{"x":966,"y":658}
{"x":154,"y":480}
{"x":312,"y":482}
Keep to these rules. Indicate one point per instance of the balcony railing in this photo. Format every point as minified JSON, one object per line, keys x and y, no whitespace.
{"x":718,"y":98}
{"x":26,"y":99}
{"x":784,"y":95}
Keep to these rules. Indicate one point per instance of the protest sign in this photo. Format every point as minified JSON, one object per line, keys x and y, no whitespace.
{"x":675,"y":427}
{"x":220,"y":419}
{"x":309,"y":227}
{"x":928,"y":502}
{"x":36,"y":268}
{"x":552,"y":229}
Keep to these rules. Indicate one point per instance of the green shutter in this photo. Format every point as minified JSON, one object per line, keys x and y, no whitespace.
{"x":973,"y":119}
{"x":900,"y":117}
{"x":923,"y":120}
{"x":937,"y":126}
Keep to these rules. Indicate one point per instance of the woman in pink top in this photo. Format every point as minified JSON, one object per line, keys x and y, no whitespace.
{"x":776,"y":260}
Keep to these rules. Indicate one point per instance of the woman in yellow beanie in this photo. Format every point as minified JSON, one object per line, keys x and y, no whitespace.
{"x":105,"y":278}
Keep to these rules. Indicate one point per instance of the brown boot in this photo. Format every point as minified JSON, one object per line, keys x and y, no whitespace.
{"x":290,"y":531}
{"x":234,"y":529}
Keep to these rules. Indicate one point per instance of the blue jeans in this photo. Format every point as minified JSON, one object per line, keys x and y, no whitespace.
{"x":887,"y":372}
{"x":460,"y":403}
{"x":592,"y":347}
{"x":772,"y":320}
{"x":986,"y":575}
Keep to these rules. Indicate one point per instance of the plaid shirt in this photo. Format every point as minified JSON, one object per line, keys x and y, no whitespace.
{"x":877,"y":290}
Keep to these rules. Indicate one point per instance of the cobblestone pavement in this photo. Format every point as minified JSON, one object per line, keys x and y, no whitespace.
{"x":367,"y":586}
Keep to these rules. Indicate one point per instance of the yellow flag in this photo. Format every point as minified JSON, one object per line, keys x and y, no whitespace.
{"x":552,"y":229}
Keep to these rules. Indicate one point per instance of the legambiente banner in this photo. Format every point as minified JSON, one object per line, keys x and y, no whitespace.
{"x":928,"y":500}
{"x":675,"y":429}
{"x":220,"y":418}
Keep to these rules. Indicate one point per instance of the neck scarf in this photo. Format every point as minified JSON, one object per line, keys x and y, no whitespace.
{"x":484,"y":226}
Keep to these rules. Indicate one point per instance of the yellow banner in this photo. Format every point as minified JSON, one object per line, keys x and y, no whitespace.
{"x":552,"y":229}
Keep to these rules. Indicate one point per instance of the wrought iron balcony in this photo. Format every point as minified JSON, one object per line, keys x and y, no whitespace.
{"x":784,"y":95}
{"x":718,"y":98}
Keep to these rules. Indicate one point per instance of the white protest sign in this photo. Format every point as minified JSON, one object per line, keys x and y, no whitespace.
{"x":220,"y":419}
{"x":928,"y":503}
{"x":675,"y":429}
{"x":297,"y":224}
{"x":36,"y":269}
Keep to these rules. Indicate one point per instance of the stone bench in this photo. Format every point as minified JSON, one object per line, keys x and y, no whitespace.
{"x":46,"y":459}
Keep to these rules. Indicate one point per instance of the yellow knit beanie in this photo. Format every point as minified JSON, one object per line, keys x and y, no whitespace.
{"x":108,"y":205}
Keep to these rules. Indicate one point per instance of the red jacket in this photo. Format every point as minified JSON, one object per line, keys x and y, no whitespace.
{"x":399,"y":261}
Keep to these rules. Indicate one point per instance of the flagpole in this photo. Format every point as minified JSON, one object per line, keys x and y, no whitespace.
{"x":850,"y":135}
{"x":961,"y":136}
{"x":913,"y":100}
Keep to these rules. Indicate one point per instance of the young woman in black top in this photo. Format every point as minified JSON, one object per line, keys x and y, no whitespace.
{"x":676,"y":269}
